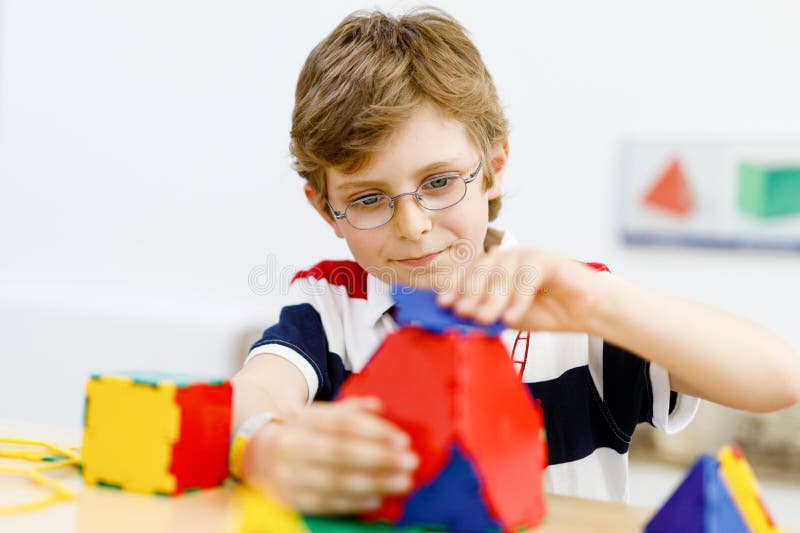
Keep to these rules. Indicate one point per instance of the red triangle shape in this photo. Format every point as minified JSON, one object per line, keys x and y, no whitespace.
{"x":670,"y":192}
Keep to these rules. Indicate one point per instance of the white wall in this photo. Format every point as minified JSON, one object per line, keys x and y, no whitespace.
{"x":145,"y":169}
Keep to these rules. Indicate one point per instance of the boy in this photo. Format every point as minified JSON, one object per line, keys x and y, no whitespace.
{"x":399,"y":134}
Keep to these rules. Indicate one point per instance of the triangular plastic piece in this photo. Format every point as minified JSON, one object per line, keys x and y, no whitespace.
{"x":670,"y":192}
{"x":700,"y":504}
{"x":256,"y":512}
{"x":452,"y":501}
{"x":743,"y":487}
{"x":407,"y":402}
{"x":502,"y":429}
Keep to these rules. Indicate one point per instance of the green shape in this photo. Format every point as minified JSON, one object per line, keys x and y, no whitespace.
{"x":108,"y":485}
{"x":85,"y":410}
{"x":155,"y":378}
{"x":769,"y":190}
{"x":317,"y":524}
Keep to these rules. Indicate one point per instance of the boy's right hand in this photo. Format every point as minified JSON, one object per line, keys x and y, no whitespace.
{"x":332,"y":458}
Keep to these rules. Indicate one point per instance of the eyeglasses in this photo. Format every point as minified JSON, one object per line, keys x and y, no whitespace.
{"x":439,"y":192}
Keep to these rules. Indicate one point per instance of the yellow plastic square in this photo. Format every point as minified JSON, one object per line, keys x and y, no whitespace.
{"x":129,"y":434}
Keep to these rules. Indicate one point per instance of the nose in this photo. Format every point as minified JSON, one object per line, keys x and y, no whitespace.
{"x":411,"y":221}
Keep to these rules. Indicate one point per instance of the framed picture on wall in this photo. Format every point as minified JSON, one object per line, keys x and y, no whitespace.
{"x":710,"y":194}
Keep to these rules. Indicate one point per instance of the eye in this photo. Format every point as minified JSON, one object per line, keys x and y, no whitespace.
{"x":439,"y":182}
{"x":367,"y":201}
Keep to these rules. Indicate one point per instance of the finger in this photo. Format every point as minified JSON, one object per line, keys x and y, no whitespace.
{"x":525,"y":284}
{"x":326,"y":450}
{"x":475,"y":285}
{"x":446,"y":292}
{"x":499,"y":289}
{"x":369,"y":403}
{"x":349,"y":483}
{"x":448,"y":287}
{"x":347,"y":419}
{"x":471,"y":287}
{"x":519,"y":306}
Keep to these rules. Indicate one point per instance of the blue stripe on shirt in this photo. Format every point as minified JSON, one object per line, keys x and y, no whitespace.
{"x":626,"y":387}
{"x":300,"y":328}
{"x":578,"y":420}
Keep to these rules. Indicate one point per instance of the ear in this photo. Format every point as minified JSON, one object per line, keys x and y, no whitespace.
{"x":313,"y":196}
{"x":498,"y":159}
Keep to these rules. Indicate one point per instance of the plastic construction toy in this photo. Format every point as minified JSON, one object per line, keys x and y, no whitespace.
{"x":768,"y":191}
{"x":452,"y":387}
{"x":717,"y":495}
{"x":417,"y":308}
{"x":51,"y":456}
{"x":156,"y":433}
{"x":256,"y":512}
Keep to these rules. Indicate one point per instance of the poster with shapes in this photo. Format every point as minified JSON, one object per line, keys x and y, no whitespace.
{"x":710,"y":194}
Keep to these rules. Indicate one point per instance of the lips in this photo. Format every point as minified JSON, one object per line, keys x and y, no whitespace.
{"x":421,"y":260}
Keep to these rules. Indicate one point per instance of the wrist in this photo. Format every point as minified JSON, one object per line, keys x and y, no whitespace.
{"x":252,"y":440}
{"x":605,"y":307}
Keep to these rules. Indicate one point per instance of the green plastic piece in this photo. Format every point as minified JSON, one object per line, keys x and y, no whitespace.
{"x":85,"y":410}
{"x":332,"y":525}
{"x":109,"y":485}
{"x":769,"y":190}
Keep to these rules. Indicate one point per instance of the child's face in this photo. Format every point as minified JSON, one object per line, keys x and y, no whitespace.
{"x":417,"y":242}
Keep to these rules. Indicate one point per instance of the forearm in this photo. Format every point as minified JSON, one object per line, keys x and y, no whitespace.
{"x":267,"y":383}
{"x":707,"y":352}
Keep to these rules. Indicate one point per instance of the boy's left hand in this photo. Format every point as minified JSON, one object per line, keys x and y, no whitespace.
{"x":526,"y":289}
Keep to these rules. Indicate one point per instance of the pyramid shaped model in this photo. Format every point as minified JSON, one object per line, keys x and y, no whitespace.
{"x":451,"y":386}
{"x":717,"y":495}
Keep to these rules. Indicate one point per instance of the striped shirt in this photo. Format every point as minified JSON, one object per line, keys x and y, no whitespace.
{"x":593,"y":393}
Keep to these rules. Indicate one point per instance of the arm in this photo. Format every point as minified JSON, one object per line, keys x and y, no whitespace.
{"x":268,"y":383}
{"x":708,"y":353}
{"x":327,"y":458}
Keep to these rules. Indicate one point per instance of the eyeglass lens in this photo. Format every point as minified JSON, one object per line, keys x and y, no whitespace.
{"x":434,"y":194}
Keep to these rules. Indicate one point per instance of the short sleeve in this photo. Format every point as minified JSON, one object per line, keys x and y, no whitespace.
{"x":636,"y":391}
{"x":672,"y":411}
{"x":308,"y":335}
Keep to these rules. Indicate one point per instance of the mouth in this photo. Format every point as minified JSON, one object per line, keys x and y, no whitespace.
{"x":423,"y":260}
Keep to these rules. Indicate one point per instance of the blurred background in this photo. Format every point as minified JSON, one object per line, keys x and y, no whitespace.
{"x":148,"y":211}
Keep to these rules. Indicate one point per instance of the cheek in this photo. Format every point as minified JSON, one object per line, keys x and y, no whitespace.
{"x":473,"y":215}
{"x":366,"y":246}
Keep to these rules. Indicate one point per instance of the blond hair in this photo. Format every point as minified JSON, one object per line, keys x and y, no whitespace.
{"x":361,"y":82}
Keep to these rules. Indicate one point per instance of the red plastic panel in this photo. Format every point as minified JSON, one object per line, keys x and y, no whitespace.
{"x":200,"y":456}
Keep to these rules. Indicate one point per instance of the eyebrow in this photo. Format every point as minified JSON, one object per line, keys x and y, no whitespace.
{"x":430,"y":167}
